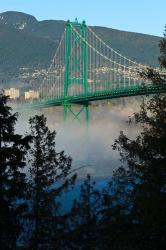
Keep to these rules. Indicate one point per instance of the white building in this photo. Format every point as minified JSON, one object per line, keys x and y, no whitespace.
{"x":31,"y":94}
{"x":12,"y":93}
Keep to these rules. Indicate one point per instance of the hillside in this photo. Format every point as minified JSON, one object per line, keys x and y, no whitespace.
{"x":27,"y":43}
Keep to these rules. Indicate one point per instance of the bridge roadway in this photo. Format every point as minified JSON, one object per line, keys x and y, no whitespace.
{"x":97,"y":95}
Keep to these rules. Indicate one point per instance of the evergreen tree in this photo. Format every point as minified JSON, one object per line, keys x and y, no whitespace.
{"x":84,"y":218}
{"x":143,"y":173}
{"x":115,"y":225}
{"x":162,"y":58}
{"x":13,"y":148}
{"x":49,"y":179}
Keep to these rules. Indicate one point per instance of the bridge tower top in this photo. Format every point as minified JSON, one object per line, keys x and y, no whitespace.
{"x":76,"y":56}
{"x":75,"y":22}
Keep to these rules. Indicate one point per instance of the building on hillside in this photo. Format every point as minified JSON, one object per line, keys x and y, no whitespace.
{"x":31,"y":94}
{"x":12,"y":93}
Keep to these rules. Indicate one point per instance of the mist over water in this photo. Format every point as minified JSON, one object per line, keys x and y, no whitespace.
{"x":90,"y":148}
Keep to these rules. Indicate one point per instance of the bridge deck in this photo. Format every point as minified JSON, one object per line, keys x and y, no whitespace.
{"x":98,"y":95}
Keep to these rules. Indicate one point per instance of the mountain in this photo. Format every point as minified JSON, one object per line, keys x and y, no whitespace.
{"x":27,"y":44}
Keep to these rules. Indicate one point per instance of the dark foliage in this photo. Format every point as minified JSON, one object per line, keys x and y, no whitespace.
{"x":141,"y":180}
{"x":49,"y":179}
{"x":13,"y":148}
{"x":84,"y":218}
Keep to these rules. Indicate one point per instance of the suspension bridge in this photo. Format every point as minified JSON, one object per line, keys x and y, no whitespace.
{"x":86,"y":69}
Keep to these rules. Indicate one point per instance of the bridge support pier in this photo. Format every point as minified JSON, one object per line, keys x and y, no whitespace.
{"x":83,"y":108}
{"x":87,"y":112}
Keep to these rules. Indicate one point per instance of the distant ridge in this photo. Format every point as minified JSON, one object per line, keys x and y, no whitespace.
{"x":28,"y":43}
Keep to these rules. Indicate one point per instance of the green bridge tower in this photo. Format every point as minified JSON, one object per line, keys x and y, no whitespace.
{"x":76,"y":67}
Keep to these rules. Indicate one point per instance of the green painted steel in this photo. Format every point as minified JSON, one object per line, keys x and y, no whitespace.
{"x":67,"y":57}
{"x":79,"y":64}
{"x":96,"y":96}
{"x":85,"y":59}
{"x":87,"y":112}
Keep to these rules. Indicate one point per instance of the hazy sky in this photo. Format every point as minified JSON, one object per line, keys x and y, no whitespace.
{"x":144,"y":16}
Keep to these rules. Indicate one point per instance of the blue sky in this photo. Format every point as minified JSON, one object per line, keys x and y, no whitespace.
{"x":144,"y":16}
